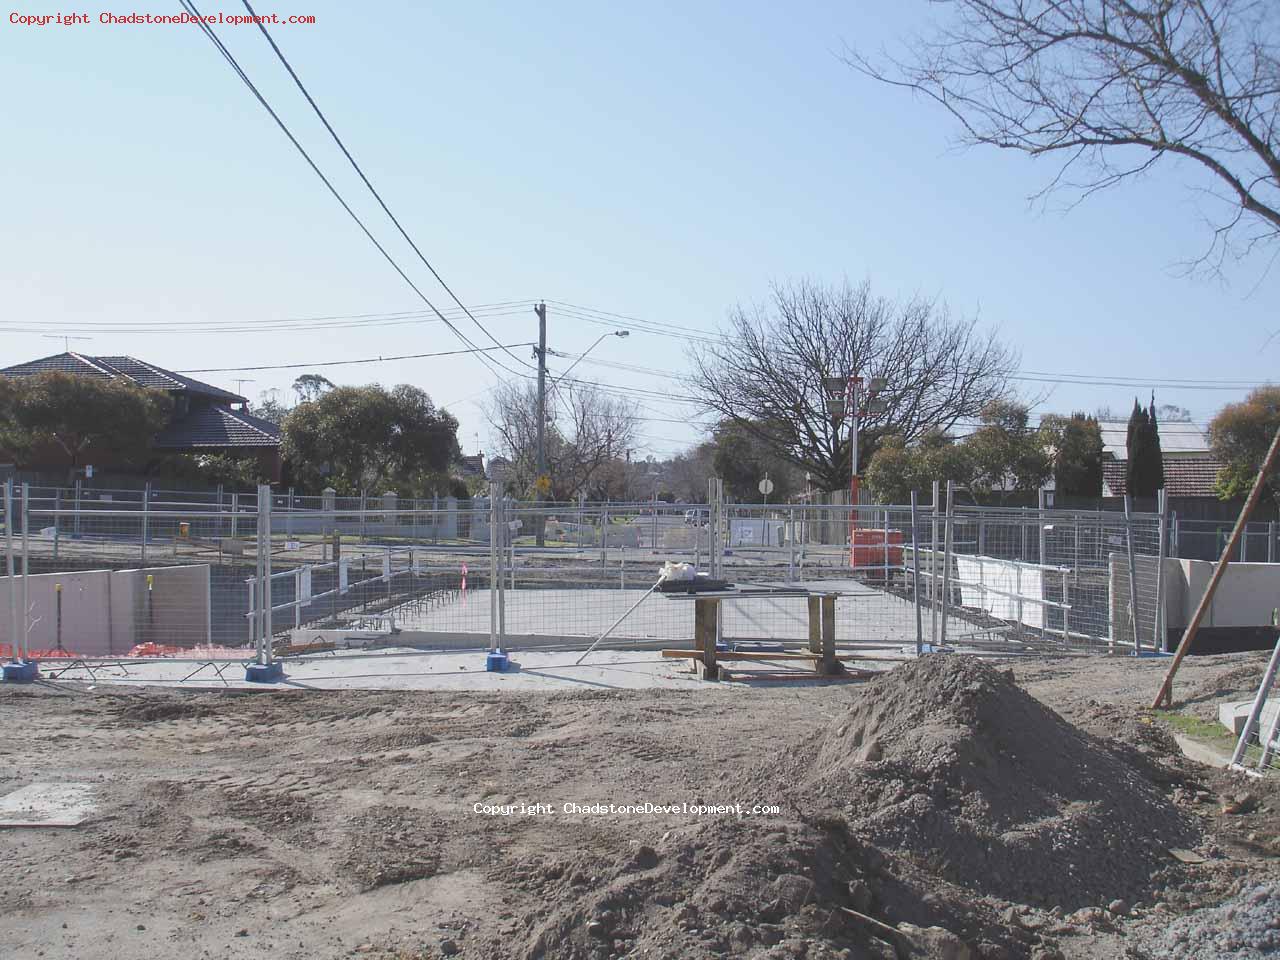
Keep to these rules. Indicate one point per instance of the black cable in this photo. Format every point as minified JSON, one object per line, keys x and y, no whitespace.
{"x":377,"y":196}
{"x":190,"y":7}
{"x":343,"y":363}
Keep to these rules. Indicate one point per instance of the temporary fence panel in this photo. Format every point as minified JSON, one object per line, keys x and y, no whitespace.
{"x":1258,"y":747}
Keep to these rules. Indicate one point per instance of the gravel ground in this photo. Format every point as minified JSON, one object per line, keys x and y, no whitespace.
{"x":1245,"y":927}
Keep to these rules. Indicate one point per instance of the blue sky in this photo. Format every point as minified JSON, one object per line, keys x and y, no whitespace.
{"x":663,"y":161}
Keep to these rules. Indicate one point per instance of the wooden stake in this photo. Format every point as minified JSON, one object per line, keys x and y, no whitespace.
{"x":1164,"y":698}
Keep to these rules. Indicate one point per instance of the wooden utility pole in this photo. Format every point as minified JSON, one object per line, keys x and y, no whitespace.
{"x":540,"y":523}
{"x":1165,"y":697}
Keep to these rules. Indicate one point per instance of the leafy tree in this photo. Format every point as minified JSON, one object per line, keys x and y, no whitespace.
{"x":894,"y":472}
{"x":1144,"y":470}
{"x":234,"y":473}
{"x":742,"y":460}
{"x":369,"y":438}
{"x":310,"y":386}
{"x":898,"y":467}
{"x":1076,"y":444}
{"x":81,"y":416}
{"x":1005,"y":453}
{"x":767,"y":372}
{"x":270,"y":408}
{"x":1172,"y":413}
{"x":1001,"y":456}
{"x":691,"y":470}
{"x":1239,"y":437}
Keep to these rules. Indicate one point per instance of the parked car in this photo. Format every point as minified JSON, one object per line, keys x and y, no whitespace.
{"x":696,"y":518}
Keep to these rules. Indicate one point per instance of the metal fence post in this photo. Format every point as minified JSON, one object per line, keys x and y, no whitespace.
{"x":655,"y":520}
{"x":1254,"y":720}
{"x":57,"y":525}
{"x":1271,"y":541}
{"x":1040,"y":518}
{"x":604,"y":536}
{"x":266,"y":649}
{"x":146,"y":517}
{"x":915,"y":577}
{"x":495,"y":575}
{"x":1133,"y":578}
{"x":1158,"y":639}
{"x":502,"y":546}
{"x":885,"y":557}
{"x":15,"y":616}
{"x":933,"y":568}
{"x":948,"y":534}
{"x":26,"y":565}
{"x":76,"y":529}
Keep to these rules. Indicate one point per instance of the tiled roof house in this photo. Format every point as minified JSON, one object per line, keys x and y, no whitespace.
{"x":204,"y":419}
{"x":1190,"y":470}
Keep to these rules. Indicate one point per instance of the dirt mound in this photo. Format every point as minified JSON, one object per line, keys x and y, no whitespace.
{"x":704,"y":890}
{"x":949,"y":762}
{"x":157,"y":710}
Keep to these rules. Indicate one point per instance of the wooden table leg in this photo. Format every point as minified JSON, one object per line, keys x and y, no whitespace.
{"x":828,"y":664}
{"x":815,"y":624}
{"x":705,"y":611}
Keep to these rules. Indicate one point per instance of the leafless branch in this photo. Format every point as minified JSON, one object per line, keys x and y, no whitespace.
{"x":1113,"y":87}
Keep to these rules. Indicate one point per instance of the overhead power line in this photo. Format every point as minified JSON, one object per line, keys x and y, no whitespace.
{"x":377,"y":196}
{"x":343,"y":363}
{"x":190,"y":7}
{"x":337,"y":321}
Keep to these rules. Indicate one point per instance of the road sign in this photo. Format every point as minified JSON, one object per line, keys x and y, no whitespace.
{"x":766,"y":486}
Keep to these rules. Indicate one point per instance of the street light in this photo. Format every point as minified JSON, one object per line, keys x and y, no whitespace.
{"x":582,"y":356}
{"x":843,"y":396}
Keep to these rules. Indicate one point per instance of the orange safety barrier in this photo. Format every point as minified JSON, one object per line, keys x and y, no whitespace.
{"x":870,"y":547}
{"x":6,"y":653}
{"x":213,"y":652}
{"x":150,"y":649}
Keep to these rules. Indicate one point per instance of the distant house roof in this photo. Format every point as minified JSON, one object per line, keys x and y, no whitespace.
{"x":220,"y":427}
{"x":472,"y":466}
{"x":1177,"y":437}
{"x":1185,"y":476}
{"x":127,"y":368}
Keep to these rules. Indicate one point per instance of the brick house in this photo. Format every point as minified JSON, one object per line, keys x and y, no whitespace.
{"x":1190,"y":470}
{"x":205,"y":418}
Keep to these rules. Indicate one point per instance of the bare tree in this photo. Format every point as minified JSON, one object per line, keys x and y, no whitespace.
{"x":1112,"y":87}
{"x":588,"y":430}
{"x":766,"y":374}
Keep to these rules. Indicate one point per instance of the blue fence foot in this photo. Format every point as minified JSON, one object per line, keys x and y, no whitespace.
{"x":496,"y":661}
{"x":28,"y":672}
{"x":264,"y":672}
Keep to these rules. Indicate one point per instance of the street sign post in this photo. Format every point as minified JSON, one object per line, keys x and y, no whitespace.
{"x":765,"y":487}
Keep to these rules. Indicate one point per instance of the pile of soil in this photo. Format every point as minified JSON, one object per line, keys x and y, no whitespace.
{"x":947,"y":762}
{"x":745,"y":888}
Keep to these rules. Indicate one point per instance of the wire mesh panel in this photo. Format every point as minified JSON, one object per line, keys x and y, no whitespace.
{"x":115,"y":571}
{"x":111,"y":577}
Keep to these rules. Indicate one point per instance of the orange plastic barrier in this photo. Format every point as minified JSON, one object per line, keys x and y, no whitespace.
{"x":870,"y":547}
{"x":6,"y":653}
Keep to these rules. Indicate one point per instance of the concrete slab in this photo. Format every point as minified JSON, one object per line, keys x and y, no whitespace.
{"x":1201,"y":753}
{"x":402,"y":669}
{"x":865,"y":615}
{"x":1234,"y":715}
{"x":47,"y":805}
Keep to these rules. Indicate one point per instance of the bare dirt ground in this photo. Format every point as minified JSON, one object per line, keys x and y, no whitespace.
{"x":953,"y":815}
